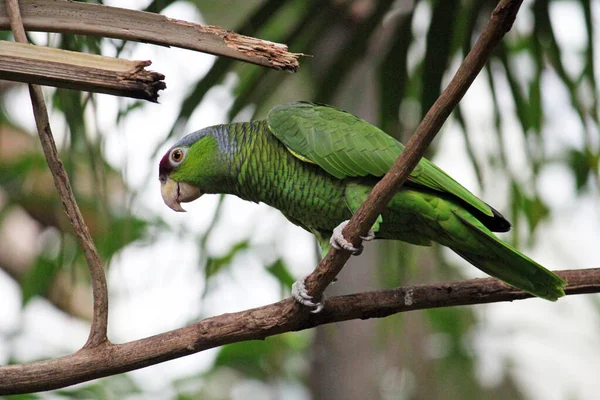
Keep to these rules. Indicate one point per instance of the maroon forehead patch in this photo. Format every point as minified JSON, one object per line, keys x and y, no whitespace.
{"x":165,"y":167}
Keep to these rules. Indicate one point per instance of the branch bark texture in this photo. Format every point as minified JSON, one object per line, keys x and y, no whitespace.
{"x":79,"y":71}
{"x":500,"y":22}
{"x":260,"y":323}
{"x":63,"y":186}
{"x":120,"y":23}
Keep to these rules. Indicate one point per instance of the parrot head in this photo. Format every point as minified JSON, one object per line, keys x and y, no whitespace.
{"x":189,"y":169}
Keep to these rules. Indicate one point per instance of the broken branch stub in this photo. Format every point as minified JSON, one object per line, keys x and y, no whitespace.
{"x":79,"y":71}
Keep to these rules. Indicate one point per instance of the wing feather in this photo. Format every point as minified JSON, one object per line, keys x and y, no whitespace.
{"x":346,"y":146}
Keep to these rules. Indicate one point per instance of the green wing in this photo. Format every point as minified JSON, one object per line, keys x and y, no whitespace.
{"x":347,"y":146}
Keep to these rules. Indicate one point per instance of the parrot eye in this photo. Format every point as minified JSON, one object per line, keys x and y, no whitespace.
{"x":177,"y":156}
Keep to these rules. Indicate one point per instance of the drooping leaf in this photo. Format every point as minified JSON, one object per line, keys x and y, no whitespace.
{"x":438,"y":50}
{"x":215,"y":264}
{"x":581,"y":164}
{"x":393,"y":76}
{"x":279,"y":270}
{"x":535,"y":210}
{"x":353,"y":50}
{"x":247,"y":357}
{"x":39,"y":278}
{"x":222,"y":65}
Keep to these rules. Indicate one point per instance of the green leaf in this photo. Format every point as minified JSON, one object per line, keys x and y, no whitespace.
{"x":393,"y":75}
{"x":23,"y":397}
{"x":120,"y":233}
{"x":581,"y":164}
{"x":38,"y":278}
{"x":351,"y":54}
{"x":535,"y":211}
{"x":438,"y":50}
{"x":469,"y":146}
{"x":279,"y":270}
{"x":454,"y":321}
{"x":221,"y":66}
{"x":265,"y":359}
{"x":215,"y":264}
{"x":249,"y":358}
{"x":257,"y":84}
{"x":113,"y":387}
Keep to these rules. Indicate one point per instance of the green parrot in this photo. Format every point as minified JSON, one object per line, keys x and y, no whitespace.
{"x":317,"y":165}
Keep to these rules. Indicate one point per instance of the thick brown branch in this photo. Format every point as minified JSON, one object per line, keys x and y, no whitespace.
{"x":61,"y":181}
{"x":99,"y":20}
{"x":500,"y":22}
{"x":79,"y":71}
{"x":260,"y":323}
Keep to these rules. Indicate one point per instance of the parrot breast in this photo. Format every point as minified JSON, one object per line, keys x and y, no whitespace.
{"x":306,"y":194}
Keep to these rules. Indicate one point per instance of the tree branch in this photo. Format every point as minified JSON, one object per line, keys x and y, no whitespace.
{"x":260,"y":323}
{"x":99,"y":20}
{"x":61,"y":181}
{"x":500,"y":22}
{"x":79,"y":71}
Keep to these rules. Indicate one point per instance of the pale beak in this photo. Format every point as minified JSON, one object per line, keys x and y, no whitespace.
{"x":175,"y":193}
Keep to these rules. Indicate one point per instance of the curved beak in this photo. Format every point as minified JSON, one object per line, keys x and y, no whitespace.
{"x":175,"y":193}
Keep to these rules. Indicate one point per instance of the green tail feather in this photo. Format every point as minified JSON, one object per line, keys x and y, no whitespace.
{"x":509,"y":265}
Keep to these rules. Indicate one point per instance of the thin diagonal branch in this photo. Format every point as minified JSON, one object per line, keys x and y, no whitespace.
{"x":500,"y":22}
{"x":61,"y":181}
{"x":260,"y":323}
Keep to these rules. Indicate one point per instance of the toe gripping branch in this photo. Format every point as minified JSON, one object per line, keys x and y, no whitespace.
{"x":300,"y":294}
{"x":339,"y":242}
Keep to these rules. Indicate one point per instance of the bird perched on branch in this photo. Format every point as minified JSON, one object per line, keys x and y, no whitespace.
{"x":318,"y":164}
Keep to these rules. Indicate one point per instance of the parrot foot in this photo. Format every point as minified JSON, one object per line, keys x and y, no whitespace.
{"x":300,"y":294}
{"x":339,"y":242}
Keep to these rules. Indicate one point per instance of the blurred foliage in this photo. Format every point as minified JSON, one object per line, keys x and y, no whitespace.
{"x":386,"y":61}
{"x":260,"y":359}
{"x":110,"y":388}
{"x":398,"y":75}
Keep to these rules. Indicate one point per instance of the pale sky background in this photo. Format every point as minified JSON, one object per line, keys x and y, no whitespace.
{"x":553,"y":348}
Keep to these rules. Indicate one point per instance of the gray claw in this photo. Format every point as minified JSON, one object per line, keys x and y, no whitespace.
{"x":300,"y":294}
{"x":370,"y":236}
{"x":339,"y":242}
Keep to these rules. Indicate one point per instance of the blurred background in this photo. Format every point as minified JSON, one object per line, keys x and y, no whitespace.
{"x":525,"y":139}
